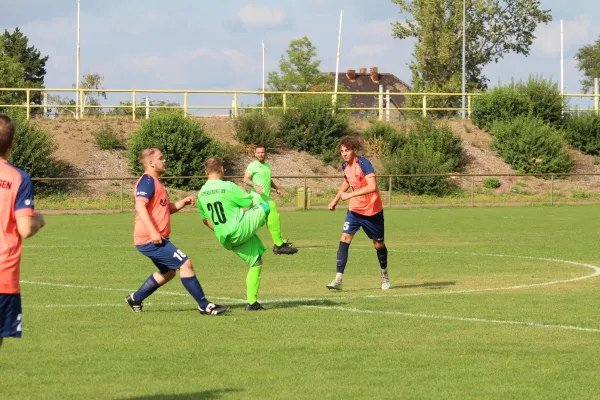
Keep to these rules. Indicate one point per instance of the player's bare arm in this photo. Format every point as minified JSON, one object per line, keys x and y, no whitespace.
{"x":274,"y":186}
{"x":343,"y":188}
{"x":178,"y":205}
{"x":370,"y":188}
{"x":209,"y":224}
{"x":248,"y":181}
{"x":144,"y":215}
{"x":28,"y":226}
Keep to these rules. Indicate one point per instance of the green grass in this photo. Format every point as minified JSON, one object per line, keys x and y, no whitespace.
{"x":408,"y":342}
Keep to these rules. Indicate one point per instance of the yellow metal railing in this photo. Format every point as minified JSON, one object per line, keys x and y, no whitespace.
{"x":235,"y":107}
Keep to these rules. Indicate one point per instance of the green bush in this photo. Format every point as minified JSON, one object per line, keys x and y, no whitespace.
{"x":537,"y":97}
{"x":492,"y":183}
{"x":379,"y":130}
{"x":427,"y":149}
{"x":107,"y":139}
{"x":183,"y":142}
{"x":583,"y":132}
{"x":257,"y":128}
{"x":531,"y":146}
{"x":33,"y":153}
{"x":312,"y":127}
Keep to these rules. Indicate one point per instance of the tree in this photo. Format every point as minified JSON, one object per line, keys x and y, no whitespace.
{"x":92,"y":81}
{"x":494,"y":29}
{"x":15,"y":45}
{"x":11,"y":76}
{"x":588,"y":62}
{"x":140,"y":110}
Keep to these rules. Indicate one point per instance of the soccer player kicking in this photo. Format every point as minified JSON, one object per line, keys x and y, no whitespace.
{"x":151,"y":236}
{"x":365,"y":209}
{"x":258,"y":176}
{"x":18,"y":221}
{"x":221,"y":205}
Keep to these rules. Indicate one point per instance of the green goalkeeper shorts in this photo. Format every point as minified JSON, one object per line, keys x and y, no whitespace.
{"x":243,"y":241}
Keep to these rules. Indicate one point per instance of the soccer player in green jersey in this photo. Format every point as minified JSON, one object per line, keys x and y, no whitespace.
{"x":258,"y":176}
{"x":221,"y":205}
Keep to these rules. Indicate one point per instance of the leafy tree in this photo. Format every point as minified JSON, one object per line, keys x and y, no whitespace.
{"x":140,"y":110}
{"x":494,"y":29}
{"x":92,"y":81}
{"x":11,"y":76}
{"x":588,"y":62}
{"x":16,"y":45}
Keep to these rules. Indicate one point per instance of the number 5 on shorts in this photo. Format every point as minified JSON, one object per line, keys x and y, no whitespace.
{"x":346,"y":225}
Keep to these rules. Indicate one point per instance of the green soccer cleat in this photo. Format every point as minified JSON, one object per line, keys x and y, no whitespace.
{"x":385,"y":280}
{"x":335,"y":286}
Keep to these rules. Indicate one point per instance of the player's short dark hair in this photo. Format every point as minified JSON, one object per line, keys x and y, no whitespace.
{"x":7,"y":133}
{"x":350,"y":142}
{"x":146,"y":153}
{"x":213,"y":165}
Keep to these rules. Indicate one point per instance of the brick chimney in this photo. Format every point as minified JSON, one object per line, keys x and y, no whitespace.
{"x":351,"y":74}
{"x":375,"y":74}
{"x":363,"y":71}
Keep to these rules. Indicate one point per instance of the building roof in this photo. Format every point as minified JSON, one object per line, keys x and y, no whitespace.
{"x":364,"y":81}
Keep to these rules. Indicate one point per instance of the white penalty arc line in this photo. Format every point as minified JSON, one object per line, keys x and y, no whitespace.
{"x":452,"y":318}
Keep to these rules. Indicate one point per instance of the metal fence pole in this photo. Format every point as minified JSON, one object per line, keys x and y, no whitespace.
{"x":121,"y":195}
{"x":425,"y":106}
{"x":380,"y":102}
{"x":304,"y":201}
{"x":235,"y":105}
{"x":284,"y":102}
{"x":472,"y":191}
{"x":552,"y":190}
{"x":27,"y":96}
{"x":185,"y":104}
{"x":133,"y":105}
{"x":469,"y":106}
{"x":597,"y":97}
{"x":390,"y":192}
{"x":81,"y":104}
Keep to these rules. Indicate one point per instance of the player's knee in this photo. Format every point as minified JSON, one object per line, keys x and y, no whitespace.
{"x":169,"y":275}
{"x":378,"y":245}
{"x":186,"y":266}
{"x":266,"y":206}
{"x":346,"y":238}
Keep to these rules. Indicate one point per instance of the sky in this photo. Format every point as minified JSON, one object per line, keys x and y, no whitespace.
{"x":216,"y":45}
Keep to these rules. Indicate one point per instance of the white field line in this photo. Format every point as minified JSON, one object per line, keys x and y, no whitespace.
{"x":452,"y":318}
{"x":107,"y":305}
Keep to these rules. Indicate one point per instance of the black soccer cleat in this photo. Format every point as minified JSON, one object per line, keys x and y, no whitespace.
{"x":256,"y":306}
{"x":285,"y":248}
{"x":135,"y":306}
{"x":213,"y":309}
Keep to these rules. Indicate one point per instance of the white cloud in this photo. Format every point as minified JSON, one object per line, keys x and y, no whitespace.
{"x":576,"y":32}
{"x":251,"y":16}
{"x":368,"y":50}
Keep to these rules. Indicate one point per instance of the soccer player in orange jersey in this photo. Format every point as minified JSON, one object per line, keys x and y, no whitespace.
{"x":365,"y":209}
{"x":17,"y":221}
{"x":151,"y":236}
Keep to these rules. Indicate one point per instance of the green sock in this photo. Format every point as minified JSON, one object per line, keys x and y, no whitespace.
{"x":274,"y":224}
{"x":253,"y":283}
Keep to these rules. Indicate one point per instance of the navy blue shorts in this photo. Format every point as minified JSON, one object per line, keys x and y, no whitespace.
{"x":165,"y":256}
{"x":373,"y":225}
{"x":11,"y":317}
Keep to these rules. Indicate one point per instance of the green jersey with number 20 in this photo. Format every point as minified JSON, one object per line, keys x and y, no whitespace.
{"x":223,"y":203}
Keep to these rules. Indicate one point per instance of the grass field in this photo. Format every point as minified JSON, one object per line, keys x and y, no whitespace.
{"x":485,"y":303}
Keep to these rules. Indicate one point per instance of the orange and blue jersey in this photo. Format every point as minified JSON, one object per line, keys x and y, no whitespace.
{"x":152,"y":192}
{"x":356,"y":175}
{"x":16,"y":201}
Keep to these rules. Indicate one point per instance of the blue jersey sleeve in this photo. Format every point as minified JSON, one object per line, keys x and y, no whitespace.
{"x":25,"y":193}
{"x":366,"y":166}
{"x":145,"y":187}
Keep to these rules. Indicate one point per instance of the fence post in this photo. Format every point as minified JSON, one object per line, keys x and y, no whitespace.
{"x":121,"y":195}
{"x":185,"y":104}
{"x":147,"y":107}
{"x":472,"y":191}
{"x":552,"y":190}
{"x":380,"y":102}
{"x":45,"y":101}
{"x":390,"y":192}
{"x":304,"y":200}
{"x":597,"y":97}
{"x":133,"y":105}
{"x":284,"y":102}
{"x":235,"y":105}
{"x":81,"y":104}
{"x":425,"y":106}
{"x":469,"y":106}
{"x":27,"y":96}
{"x":387,"y":106}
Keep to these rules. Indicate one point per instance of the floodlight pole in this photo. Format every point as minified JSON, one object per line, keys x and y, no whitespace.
{"x":337,"y":63}
{"x":464,"y":59}
{"x":263,"y":73}
{"x":562,"y":59}
{"x":78,"y":62}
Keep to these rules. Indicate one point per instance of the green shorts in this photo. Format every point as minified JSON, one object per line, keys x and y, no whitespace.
{"x":243,"y":241}
{"x":260,"y":198}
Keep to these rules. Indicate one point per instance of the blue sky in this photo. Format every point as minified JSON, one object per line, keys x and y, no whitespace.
{"x":201,"y":44}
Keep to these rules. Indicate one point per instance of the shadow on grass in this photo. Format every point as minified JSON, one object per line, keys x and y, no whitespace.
{"x":428,"y":285}
{"x":204,"y":395}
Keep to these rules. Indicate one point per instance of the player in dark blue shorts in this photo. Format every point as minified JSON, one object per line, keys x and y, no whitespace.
{"x":365,"y":210}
